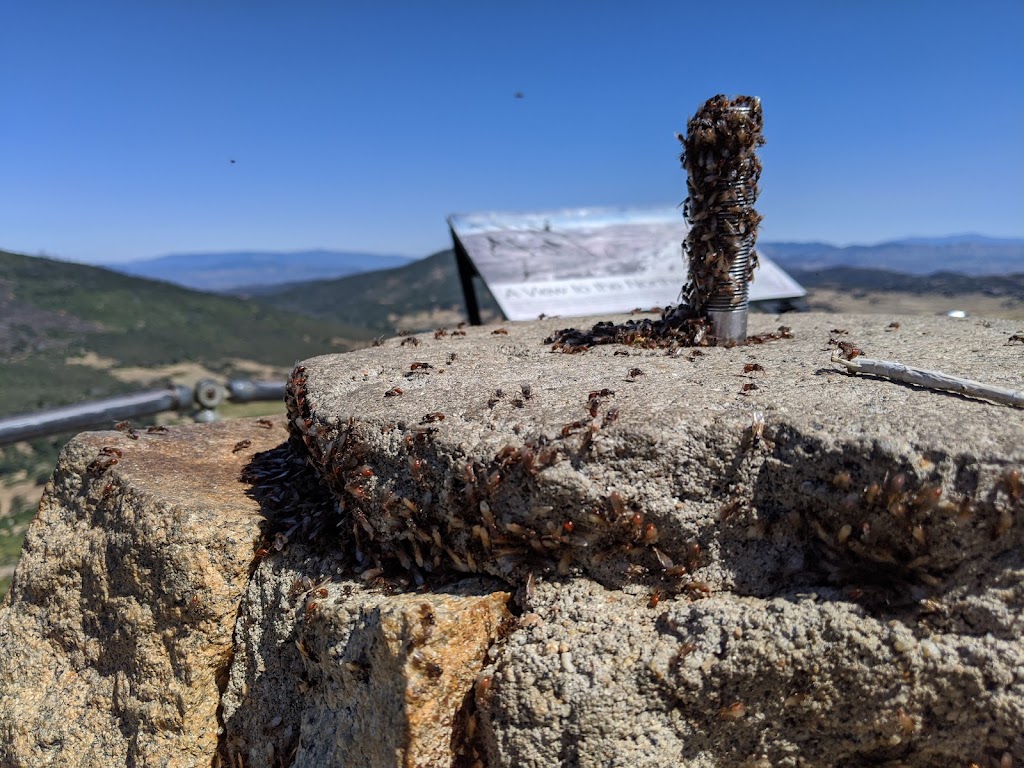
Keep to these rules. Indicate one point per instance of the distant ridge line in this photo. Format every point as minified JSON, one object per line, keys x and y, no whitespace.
{"x":230,"y":270}
{"x":262,"y":272}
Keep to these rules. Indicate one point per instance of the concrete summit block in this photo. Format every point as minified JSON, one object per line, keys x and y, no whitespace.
{"x":489,"y":453}
{"x":761,"y":557}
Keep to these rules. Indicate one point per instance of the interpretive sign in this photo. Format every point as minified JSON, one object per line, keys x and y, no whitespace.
{"x":585,"y":261}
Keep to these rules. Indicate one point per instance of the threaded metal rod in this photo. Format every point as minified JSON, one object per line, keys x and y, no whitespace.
{"x":722,"y":175}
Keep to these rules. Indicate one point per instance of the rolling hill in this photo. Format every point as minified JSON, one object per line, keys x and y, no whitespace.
{"x":70,"y":333}
{"x":422,"y":295}
{"x":67,"y":329}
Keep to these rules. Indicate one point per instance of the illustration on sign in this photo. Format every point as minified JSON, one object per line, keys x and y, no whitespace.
{"x":588,"y":261}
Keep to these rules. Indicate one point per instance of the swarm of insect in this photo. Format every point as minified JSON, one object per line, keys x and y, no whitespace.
{"x":888,"y":533}
{"x":291,"y":496}
{"x":674,"y":329}
{"x":425,"y":519}
{"x":719,"y":155}
{"x":671,"y":331}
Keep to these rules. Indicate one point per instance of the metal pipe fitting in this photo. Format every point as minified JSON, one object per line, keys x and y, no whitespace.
{"x":246,"y":390}
{"x":207,"y":394}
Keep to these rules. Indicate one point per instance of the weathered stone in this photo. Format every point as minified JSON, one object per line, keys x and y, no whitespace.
{"x":842,"y":586}
{"x":394,"y":673}
{"x":821,"y":570}
{"x":805,"y":677}
{"x":263,"y":702}
{"x":330,"y":671}
{"x":117,"y":631}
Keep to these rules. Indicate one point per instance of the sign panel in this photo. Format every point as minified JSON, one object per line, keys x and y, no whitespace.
{"x":589,"y":261}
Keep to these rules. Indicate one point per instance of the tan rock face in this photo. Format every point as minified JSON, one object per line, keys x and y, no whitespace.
{"x":332,"y":671}
{"x":120,"y":626}
{"x":117,"y":631}
{"x":391,"y":675}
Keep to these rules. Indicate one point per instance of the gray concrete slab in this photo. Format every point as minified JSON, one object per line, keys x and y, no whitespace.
{"x":753,"y":450}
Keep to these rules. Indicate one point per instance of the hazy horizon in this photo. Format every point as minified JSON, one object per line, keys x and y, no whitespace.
{"x":300,"y":250}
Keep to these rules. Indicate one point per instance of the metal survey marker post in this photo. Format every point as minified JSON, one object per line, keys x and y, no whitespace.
{"x":722,"y":172}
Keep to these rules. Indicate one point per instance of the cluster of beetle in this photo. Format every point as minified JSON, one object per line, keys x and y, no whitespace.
{"x":428,"y":515}
{"x":670,"y":331}
{"x":883,"y":534}
{"x":673,"y":330}
{"x":719,"y":155}
{"x":722,"y":172}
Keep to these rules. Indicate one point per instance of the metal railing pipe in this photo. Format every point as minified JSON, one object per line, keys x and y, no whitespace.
{"x":98,"y":413}
{"x":246,"y":390}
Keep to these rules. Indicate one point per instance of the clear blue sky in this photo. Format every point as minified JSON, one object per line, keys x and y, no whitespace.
{"x":362,"y":125}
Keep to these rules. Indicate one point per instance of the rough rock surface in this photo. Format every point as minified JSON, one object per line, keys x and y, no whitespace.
{"x":679,"y":568}
{"x":818,"y":569}
{"x":136,"y":589}
{"x":394,"y":677}
{"x":335,"y":672}
{"x":117,"y":631}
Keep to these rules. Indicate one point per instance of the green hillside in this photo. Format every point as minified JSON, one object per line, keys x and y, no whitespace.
{"x":51,"y":311}
{"x":405,"y":297}
{"x":1008,"y":286}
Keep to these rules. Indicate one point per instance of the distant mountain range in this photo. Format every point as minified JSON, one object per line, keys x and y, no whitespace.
{"x":221,"y":272}
{"x":1009,"y":286}
{"x":260,"y":272}
{"x":960,"y":239}
{"x":414,"y":296}
{"x":963,"y":254}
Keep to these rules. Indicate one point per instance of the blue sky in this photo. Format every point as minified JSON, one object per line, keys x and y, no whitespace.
{"x":362,"y":125}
